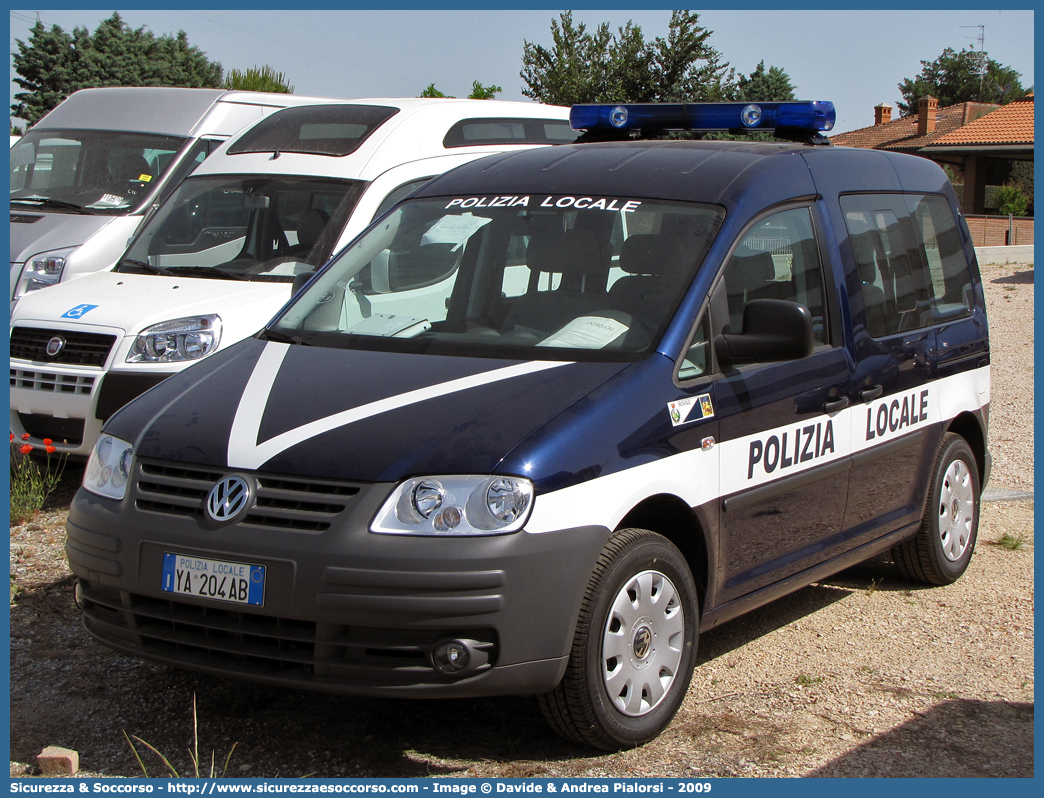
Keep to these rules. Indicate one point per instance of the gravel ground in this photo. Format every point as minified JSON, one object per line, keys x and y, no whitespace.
{"x":861,"y":675}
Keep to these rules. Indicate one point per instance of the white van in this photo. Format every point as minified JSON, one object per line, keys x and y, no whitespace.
{"x":216,"y":261}
{"x":84,"y":177}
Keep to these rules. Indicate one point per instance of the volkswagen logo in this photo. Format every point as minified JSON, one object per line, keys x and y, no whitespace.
{"x":228,"y":498}
{"x":642,"y":642}
{"x":54,"y":346}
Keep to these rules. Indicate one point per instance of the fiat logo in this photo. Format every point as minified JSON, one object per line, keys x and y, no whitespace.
{"x":55,"y":345}
{"x":228,"y":498}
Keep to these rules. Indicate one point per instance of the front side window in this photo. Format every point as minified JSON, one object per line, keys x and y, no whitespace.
{"x":778,"y":258}
{"x":94,"y":171}
{"x":244,"y":227}
{"x":545,"y":277}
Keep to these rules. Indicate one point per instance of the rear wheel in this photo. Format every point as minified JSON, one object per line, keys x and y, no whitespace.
{"x":634,"y":647}
{"x":942,"y":548}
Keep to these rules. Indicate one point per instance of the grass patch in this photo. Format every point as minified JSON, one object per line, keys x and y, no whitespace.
{"x":804,"y":680}
{"x":1010,"y":542}
{"x":193,"y":754}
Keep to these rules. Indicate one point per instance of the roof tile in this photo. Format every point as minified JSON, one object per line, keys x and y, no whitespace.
{"x":1009,"y":124}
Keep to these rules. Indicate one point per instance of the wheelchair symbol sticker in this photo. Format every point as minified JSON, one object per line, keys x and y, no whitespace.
{"x":78,"y":311}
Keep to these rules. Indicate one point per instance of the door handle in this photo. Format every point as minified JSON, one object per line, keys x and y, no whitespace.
{"x":871,"y":393}
{"x":837,"y":404}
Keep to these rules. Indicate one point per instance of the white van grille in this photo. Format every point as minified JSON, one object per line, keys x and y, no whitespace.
{"x":52,"y":383}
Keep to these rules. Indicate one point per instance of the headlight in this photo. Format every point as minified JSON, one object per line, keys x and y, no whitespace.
{"x":43,"y":270}
{"x":108,"y":468}
{"x":177,"y":340}
{"x":456,"y":505}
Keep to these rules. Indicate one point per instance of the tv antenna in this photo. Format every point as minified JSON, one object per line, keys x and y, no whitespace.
{"x":981,"y":38}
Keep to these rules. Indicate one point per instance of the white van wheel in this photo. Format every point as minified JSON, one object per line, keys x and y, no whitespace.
{"x":634,"y":647}
{"x":942,"y":548}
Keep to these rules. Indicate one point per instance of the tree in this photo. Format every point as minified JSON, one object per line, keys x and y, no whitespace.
{"x":258,"y":79}
{"x":967,"y":76}
{"x":584,"y":67}
{"x":1011,"y":201}
{"x":764,"y":86}
{"x":478,"y":92}
{"x":54,"y":64}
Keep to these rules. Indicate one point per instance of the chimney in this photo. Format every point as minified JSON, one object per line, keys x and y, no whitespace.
{"x":882,"y":114}
{"x":926,"y":108}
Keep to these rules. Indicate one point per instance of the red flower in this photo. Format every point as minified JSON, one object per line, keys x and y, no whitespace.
{"x":50,"y":449}
{"x":12,"y":437}
{"x":26,"y":448}
{"x":25,"y":436}
{"x":47,"y":441}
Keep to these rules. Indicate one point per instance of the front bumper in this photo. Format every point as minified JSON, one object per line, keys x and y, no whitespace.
{"x":345,"y":610}
{"x":69,"y":406}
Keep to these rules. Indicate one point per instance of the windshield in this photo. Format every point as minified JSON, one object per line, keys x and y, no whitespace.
{"x":534,"y":277}
{"x":100,"y":171}
{"x":253,"y":227}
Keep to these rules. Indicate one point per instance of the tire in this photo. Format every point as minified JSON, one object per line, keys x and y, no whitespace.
{"x":942,"y":548}
{"x":634,"y":647}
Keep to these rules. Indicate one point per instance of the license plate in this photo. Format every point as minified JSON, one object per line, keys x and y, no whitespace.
{"x":234,"y":582}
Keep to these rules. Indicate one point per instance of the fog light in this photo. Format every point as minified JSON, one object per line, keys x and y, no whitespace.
{"x":451,"y":656}
{"x":78,"y":595}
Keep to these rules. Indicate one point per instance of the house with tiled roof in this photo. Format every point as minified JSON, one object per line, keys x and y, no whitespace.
{"x":965,"y":136}
{"x":910,"y":133}
{"x":1005,"y":133}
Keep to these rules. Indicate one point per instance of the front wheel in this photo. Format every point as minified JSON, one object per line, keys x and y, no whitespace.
{"x":634,"y":647}
{"x":942,"y":548}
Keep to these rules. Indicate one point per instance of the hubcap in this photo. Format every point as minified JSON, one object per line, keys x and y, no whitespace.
{"x":643,"y":643}
{"x":956,"y":510}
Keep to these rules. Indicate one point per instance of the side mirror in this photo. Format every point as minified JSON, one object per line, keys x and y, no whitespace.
{"x":773,"y":330}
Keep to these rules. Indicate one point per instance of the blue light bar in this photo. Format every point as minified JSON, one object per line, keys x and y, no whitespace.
{"x":811,"y":116}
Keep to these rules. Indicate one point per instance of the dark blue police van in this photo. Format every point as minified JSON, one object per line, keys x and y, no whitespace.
{"x":555,"y":414}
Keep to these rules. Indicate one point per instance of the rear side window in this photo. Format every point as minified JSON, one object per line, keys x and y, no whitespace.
{"x":316,"y":129}
{"x":474,"y":132}
{"x":940,"y":241}
{"x":911,"y":265}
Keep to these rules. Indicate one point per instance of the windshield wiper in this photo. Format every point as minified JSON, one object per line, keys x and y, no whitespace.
{"x":47,"y":202}
{"x":143,"y":265}
{"x":207,"y":272}
{"x":283,"y":338}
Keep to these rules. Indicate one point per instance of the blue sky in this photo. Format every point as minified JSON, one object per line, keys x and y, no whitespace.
{"x":855,"y":58}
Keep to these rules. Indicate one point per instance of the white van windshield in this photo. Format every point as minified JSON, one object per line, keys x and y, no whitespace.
{"x":248,"y":227}
{"x":95,"y":171}
{"x":546,"y":277}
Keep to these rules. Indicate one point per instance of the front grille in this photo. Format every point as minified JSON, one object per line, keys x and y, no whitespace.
{"x":296,"y":505}
{"x":80,"y":384}
{"x":267,"y":647}
{"x":66,"y":430}
{"x":80,"y":349}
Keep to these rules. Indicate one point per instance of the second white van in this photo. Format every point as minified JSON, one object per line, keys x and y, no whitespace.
{"x":84,"y":176}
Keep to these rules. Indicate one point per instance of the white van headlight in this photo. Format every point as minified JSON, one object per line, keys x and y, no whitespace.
{"x":177,"y":340}
{"x":456,"y":505}
{"x":108,"y":468}
{"x":43,"y":270}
